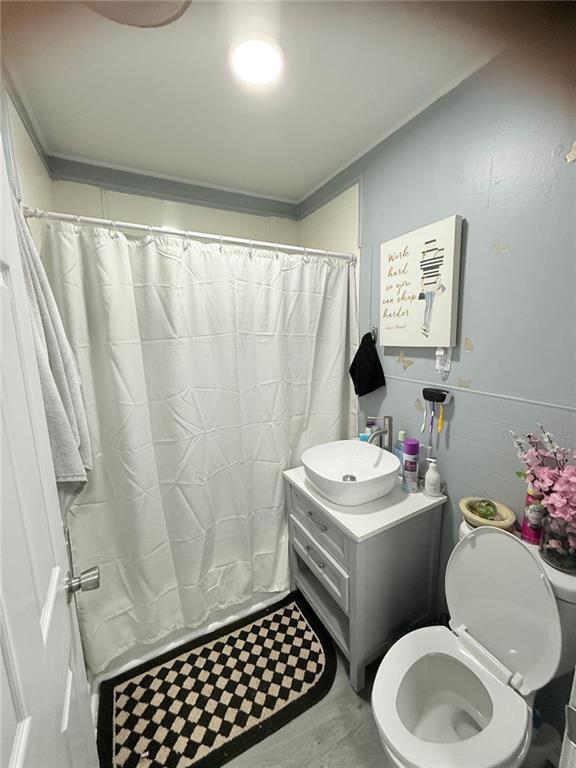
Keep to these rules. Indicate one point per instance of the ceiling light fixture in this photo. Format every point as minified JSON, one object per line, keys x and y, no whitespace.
{"x":256,"y":61}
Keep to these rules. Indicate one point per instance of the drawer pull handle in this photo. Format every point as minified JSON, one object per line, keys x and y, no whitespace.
{"x":319,"y":563}
{"x":321,"y":526}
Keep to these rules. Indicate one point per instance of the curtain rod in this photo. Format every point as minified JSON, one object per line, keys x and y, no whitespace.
{"x":36,"y":213}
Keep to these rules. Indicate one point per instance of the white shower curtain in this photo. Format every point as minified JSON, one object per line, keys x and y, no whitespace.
{"x":207,"y":370}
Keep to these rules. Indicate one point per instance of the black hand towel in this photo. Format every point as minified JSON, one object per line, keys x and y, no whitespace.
{"x":366,"y":370}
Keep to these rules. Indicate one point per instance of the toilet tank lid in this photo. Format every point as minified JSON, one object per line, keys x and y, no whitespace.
{"x":499,"y":591}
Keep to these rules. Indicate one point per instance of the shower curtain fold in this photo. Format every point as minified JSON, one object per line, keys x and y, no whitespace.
{"x":207,"y":370}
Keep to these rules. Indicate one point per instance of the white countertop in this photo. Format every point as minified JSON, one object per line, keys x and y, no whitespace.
{"x":367,"y":520}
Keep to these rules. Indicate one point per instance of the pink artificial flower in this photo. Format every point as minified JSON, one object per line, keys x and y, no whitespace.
{"x":555,"y":544}
{"x":544,"y":478}
{"x":548,"y":471}
{"x":558,"y":507}
{"x":532,"y":458}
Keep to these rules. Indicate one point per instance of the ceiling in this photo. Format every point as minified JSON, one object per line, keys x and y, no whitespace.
{"x":162,"y":101}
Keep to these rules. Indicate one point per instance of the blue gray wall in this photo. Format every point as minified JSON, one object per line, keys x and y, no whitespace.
{"x":493,"y":151}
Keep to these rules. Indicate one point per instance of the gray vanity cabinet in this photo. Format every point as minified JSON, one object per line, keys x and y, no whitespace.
{"x":370,"y":572}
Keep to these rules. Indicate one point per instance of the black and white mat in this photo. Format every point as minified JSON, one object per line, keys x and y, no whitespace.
{"x":207,"y":701}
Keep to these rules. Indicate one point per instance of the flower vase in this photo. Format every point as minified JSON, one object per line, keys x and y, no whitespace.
{"x":558,"y":544}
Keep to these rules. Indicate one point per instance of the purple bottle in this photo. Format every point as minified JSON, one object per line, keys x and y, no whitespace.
{"x":410,"y":464}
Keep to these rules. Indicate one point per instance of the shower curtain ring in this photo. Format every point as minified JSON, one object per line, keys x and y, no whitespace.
{"x":114,"y":230}
{"x":42,"y":215}
{"x":77,"y":224}
{"x":250,"y":246}
{"x":220,"y":244}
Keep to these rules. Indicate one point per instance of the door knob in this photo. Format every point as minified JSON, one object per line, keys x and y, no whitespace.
{"x":87,"y":580}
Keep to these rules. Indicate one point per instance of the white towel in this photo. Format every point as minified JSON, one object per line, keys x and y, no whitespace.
{"x":59,"y":377}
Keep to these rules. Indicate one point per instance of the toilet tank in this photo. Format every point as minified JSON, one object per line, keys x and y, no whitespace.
{"x":564,"y":587}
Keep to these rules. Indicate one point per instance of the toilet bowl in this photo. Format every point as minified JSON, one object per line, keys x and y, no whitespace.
{"x":461,"y":697}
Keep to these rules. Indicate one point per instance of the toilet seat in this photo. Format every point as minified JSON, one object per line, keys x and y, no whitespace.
{"x":504,"y":644}
{"x":502,"y":740}
{"x":499,"y":596}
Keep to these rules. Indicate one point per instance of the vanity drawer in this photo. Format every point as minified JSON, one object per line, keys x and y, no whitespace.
{"x":320,"y":526}
{"x":332,"y":577}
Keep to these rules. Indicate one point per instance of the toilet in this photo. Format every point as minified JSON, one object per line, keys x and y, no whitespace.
{"x":462,"y":697}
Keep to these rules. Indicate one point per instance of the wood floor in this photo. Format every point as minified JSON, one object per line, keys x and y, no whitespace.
{"x":339,"y":732}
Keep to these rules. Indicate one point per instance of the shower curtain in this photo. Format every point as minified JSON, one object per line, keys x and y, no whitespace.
{"x":207,"y":370}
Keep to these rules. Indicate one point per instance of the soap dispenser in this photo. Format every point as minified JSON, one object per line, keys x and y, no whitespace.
{"x":432,"y":480}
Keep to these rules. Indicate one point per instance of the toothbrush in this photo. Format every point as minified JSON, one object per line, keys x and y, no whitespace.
{"x":441,"y":419}
{"x":424,"y":415}
{"x":432,"y":414}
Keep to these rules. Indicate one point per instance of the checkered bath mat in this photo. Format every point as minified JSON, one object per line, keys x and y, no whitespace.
{"x":207,"y":701}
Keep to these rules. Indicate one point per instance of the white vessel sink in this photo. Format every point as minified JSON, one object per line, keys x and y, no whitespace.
{"x":351,"y":472}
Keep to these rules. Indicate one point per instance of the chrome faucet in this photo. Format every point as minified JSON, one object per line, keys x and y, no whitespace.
{"x":385,"y":434}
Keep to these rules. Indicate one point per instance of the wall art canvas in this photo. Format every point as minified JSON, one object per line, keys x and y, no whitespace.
{"x":419,"y":275}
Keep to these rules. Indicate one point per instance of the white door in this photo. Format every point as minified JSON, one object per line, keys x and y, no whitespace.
{"x":45,"y":704}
